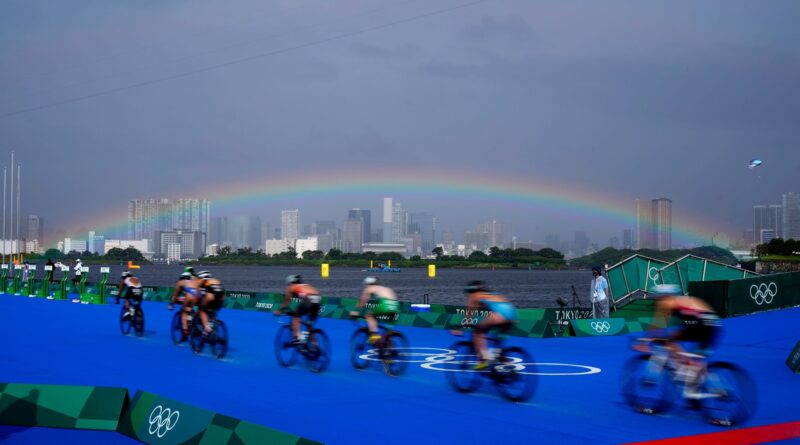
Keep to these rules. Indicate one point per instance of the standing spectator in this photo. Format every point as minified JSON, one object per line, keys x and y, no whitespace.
{"x":53,"y":272}
{"x":26,"y":272}
{"x":599,"y":294}
{"x":76,"y":282}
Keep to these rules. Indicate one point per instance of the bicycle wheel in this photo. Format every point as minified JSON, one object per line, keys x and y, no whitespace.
{"x":513,"y":375}
{"x":358,"y":347}
{"x":646,"y":386}
{"x":219,"y":347}
{"x":125,"y":324}
{"x":175,"y":328}
{"x":138,"y":321}
{"x":459,"y":373}
{"x":733,"y":394}
{"x":285,"y":351}
{"x":196,"y":339}
{"x":318,"y":351}
{"x":393,"y":354}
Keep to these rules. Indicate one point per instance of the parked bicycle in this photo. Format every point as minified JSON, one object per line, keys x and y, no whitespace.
{"x":388,"y":349}
{"x":653,"y":380}
{"x":313,"y":345}
{"x":512,"y":371}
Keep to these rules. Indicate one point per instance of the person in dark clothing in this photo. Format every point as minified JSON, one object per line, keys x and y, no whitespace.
{"x":53,"y":271}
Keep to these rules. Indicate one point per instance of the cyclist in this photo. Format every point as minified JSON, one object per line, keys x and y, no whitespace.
{"x":130,"y":288}
{"x":309,"y":303}
{"x":211,"y":297}
{"x":187,"y":294}
{"x":386,"y":301}
{"x":190,"y":271}
{"x":699,"y":324}
{"x":502,"y":316}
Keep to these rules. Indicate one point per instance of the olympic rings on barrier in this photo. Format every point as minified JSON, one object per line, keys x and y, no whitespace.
{"x":763,"y":293}
{"x":161,"y":421}
{"x":601,"y":327}
{"x":440,"y":359}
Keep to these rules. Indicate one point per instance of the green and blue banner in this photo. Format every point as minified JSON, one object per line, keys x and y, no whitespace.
{"x":154,"y":419}
{"x":60,"y":406}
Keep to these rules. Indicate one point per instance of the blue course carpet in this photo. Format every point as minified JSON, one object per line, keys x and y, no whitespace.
{"x":577,"y":401}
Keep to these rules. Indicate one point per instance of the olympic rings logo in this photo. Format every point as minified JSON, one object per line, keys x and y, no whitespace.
{"x":601,"y":327}
{"x":650,"y":273}
{"x":447,"y":360}
{"x":161,"y":421}
{"x":763,"y":293}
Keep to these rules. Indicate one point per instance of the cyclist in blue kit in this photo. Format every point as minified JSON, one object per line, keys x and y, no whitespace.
{"x":502,"y":316}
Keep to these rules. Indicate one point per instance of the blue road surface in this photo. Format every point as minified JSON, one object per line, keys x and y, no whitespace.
{"x":59,"y":342}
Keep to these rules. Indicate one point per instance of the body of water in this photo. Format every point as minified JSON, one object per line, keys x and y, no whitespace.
{"x":525,"y":288}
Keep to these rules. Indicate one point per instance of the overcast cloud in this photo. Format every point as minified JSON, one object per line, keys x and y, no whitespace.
{"x":131,"y":99}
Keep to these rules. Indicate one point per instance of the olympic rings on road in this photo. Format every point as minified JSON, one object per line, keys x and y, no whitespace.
{"x":441,"y":359}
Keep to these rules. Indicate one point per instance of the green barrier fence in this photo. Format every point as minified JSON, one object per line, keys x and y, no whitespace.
{"x":634,"y":274}
{"x":598,"y":327}
{"x":693,"y":268}
{"x":154,"y":419}
{"x":750,"y":295}
{"x":59,"y":406}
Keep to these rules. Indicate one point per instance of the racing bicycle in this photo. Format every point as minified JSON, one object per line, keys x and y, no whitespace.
{"x":217,"y":339}
{"x":512,"y":372}
{"x":175,"y":328}
{"x":388,"y":349}
{"x":654,"y":379}
{"x":313,"y":344}
{"x":132,"y":319}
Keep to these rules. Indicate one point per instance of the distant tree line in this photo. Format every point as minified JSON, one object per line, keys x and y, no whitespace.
{"x":611,"y":256}
{"x":115,"y":255}
{"x":778,"y":247}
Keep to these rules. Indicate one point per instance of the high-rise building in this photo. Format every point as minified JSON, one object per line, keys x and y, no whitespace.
{"x":399,"y":223}
{"x":580,"y":243}
{"x":791,"y":216}
{"x":324,"y":227}
{"x":627,"y":239}
{"x":476,"y":240}
{"x":90,"y":246}
{"x":387,"y":220}
{"x":192,"y":215}
{"x":644,"y":225}
{"x":240,"y":231}
{"x":553,"y":241}
{"x":496,"y":231}
{"x":425,"y":225}
{"x":352,"y":235}
{"x":191,"y":244}
{"x":447,"y":240}
{"x":35,"y":228}
{"x":654,"y":224}
{"x":147,"y":216}
{"x":215,"y":231}
{"x":77,"y":245}
{"x":769,"y":218}
{"x":662,"y":217}
{"x":366,"y":221}
{"x":290,"y":223}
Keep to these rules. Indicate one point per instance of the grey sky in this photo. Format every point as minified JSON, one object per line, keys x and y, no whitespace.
{"x":628,"y":98}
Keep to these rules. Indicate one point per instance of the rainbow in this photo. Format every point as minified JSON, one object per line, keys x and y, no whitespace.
{"x":552,"y":195}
